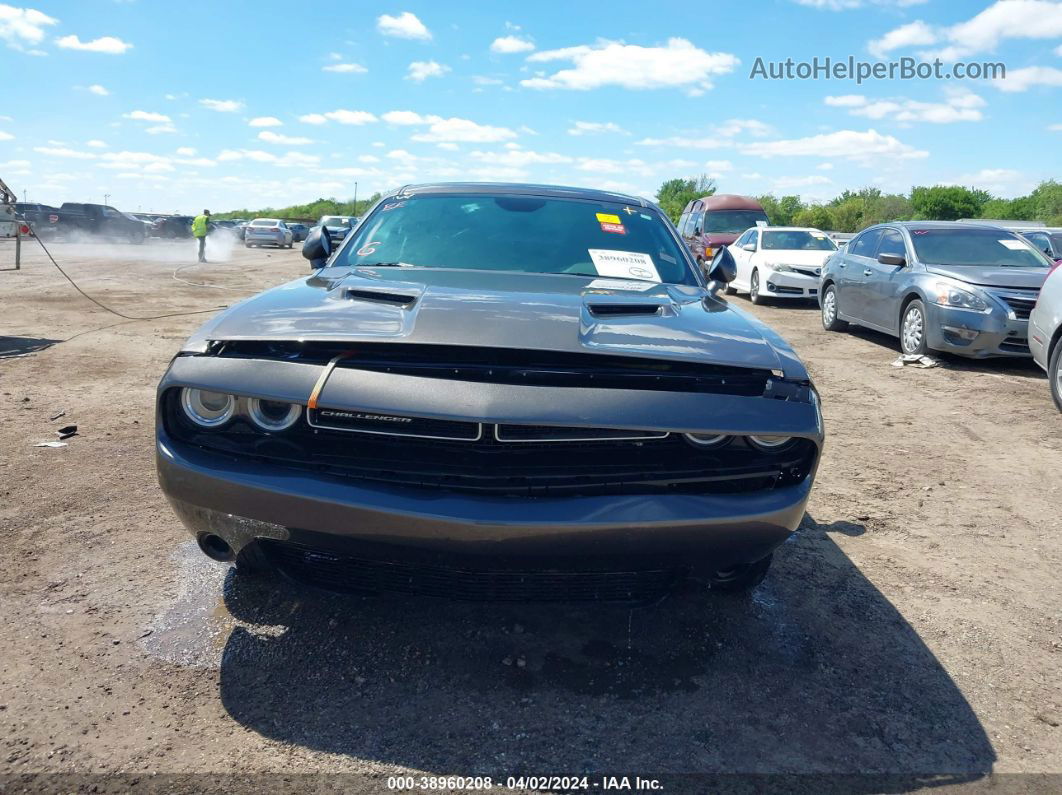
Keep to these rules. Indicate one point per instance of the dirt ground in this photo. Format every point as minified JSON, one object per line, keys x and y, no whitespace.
{"x":912,"y":628}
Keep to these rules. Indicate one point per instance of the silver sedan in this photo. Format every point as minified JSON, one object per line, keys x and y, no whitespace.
{"x":1045,"y":332}
{"x":267,"y":232}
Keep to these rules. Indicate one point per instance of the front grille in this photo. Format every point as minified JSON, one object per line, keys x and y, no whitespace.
{"x":1021,"y":306}
{"x":486,"y":466}
{"x":551,"y":433}
{"x":510,"y":366}
{"x":341,"y":572}
{"x":1016,"y":345}
{"x":777,"y":288}
{"x":392,"y":425}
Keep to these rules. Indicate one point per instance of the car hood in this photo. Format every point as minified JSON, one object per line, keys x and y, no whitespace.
{"x":505,"y":310}
{"x":990,"y":276}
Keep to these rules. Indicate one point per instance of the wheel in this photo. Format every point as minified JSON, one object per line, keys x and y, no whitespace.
{"x":740,"y":579}
{"x":754,"y":289}
{"x":913,"y":329}
{"x":248,"y":245}
{"x":1054,"y":374}
{"x":292,"y":243}
{"x":830,"y":321}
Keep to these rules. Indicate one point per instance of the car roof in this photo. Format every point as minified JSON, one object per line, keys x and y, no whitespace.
{"x":789,"y":229}
{"x":522,"y":189}
{"x":941,"y":225}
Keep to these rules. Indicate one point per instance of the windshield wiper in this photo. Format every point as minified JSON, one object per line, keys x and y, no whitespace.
{"x":384,"y":265}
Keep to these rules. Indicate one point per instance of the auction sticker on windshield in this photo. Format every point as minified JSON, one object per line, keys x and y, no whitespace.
{"x":624,"y":264}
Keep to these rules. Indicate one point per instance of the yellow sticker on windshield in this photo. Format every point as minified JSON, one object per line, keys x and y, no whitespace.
{"x":606,"y":218}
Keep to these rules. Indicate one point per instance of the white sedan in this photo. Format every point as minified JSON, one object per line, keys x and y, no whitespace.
{"x":780,"y":262}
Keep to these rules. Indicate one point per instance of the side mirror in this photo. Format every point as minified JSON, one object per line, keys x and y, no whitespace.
{"x":722,"y":269}
{"x":749,"y":247}
{"x":892,"y":259}
{"x":317,"y":247}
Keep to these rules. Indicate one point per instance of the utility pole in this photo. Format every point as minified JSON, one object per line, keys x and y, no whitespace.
{"x":355,"y":198}
{"x":105,"y":197}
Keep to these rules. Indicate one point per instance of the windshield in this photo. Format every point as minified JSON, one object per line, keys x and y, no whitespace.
{"x":732,"y":222}
{"x":528,"y":234}
{"x":336,"y":220}
{"x":792,"y":240}
{"x":264,"y":222}
{"x":975,"y":247}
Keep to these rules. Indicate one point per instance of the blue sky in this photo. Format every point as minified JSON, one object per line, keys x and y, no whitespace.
{"x":173,"y":107}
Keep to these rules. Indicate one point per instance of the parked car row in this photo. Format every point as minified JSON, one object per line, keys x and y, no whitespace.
{"x":970,"y":288}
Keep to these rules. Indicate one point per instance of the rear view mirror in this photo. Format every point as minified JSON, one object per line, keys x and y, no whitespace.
{"x":892,"y":259}
{"x":749,"y":247}
{"x":722,"y":269}
{"x":317,"y":247}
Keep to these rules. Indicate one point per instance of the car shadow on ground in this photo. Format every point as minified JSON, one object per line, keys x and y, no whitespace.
{"x":1019,"y":367}
{"x":11,"y":347}
{"x":815,"y":673}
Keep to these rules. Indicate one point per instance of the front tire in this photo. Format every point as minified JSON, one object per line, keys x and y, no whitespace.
{"x":740,"y":579}
{"x":913,"y":329}
{"x":830,"y":321}
{"x":1054,"y":374}
{"x":754,"y":289}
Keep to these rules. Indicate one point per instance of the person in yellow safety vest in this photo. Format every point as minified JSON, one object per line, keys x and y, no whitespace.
{"x":200,"y":227}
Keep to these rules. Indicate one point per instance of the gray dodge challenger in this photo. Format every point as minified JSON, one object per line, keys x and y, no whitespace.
{"x":499,"y":392}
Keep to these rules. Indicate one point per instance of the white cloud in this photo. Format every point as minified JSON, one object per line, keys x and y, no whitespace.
{"x":462,"y":130}
{"x":679,"y":64}
{"x":1024,"y":79}
{"x":1004,"y":19}
{"x":62,"y":151}
{"x":108,"y":45}
{"x":507,"y":45}
{"x":849,"y":144}
{"x":6,"y":136}
{"x":265,"y":121}
{"x":95,"y":143}
{"x":21,"y":27}
{"x":684,"y":142}
{"x":404,"y":26}
{"x":403,"y":117}
{"x":355,"y":117}
{"x":222,"y":105}
{"x":419,"y":71}
{"x":480,"y":80}
{"x":594,"y":127}
{"x":1054,"y":127}
{"x":98,"y":90}
{"x":719,"y":165}
{"x":160,"y":129}
{"x":755,"y":128}
{"x":144,"y":115}
{"x":959,"y":106}
{"x":288,"y":140}
{"x":519,"y":158}
{"x":825,"y":166}
{"x":287,"y":160}
{"x":998,"y":181}
{"x":787,"y":183}
{"x":345,"y":68}
{"x":186,"y":151}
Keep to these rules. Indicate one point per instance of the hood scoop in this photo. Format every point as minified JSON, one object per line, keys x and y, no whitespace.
{"x":623,"y":309}
{"x":382,"y":296}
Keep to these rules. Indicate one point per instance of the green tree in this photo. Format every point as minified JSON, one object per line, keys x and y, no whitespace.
{"x":889,"y":207}
{"x":814,"y":215}
{"x":947,"y":202}
{"x":1047,"y":199}
{"x":675,"y":194}
{"x":847,"y":216}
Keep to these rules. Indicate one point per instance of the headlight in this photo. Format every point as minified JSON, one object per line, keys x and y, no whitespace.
{"x":209,"y":409}
{"x":272,"y":415}
{"x":781,"y":268}
{"x":706,"y":440}
{"x":769,"y":442}
{"x":949,"y":295}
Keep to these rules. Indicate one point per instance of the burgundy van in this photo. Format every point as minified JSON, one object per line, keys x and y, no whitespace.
{"x":714,"y":221}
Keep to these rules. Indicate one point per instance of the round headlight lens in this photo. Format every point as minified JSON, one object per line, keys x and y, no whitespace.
{"x":273,"y":415}
{"x":706,"y":439}
{"x":770,"y":442}
{"x":209,"y":409}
